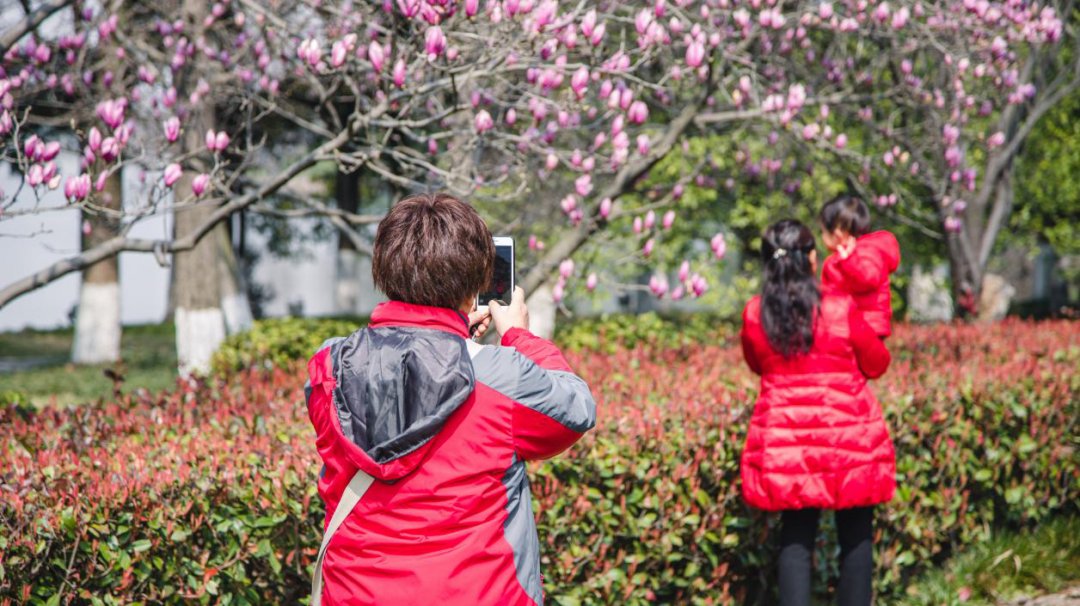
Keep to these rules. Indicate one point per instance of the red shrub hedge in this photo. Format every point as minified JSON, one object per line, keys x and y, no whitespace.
{"x":207,"y":493}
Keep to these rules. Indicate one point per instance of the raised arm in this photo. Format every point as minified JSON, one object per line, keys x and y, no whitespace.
{"x":552,"y":407}
{"x":863,"y":270}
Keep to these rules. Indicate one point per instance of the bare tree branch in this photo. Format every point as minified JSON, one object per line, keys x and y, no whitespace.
{"x":30,"y":23}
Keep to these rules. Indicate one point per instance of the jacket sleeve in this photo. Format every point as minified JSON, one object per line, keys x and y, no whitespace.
{"x":870,"y":351}
{"x":748,"y":346}
{"x":553,"y":407}
{"x":864,"y":270}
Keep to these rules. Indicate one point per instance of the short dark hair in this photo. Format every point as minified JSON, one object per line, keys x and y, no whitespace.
{"x":847,"y":213}
{"x":432,"y":249}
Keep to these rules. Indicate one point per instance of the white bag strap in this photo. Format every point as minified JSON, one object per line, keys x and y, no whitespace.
{"x":358,"y":485}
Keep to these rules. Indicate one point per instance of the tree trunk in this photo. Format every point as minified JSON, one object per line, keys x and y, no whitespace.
{"x":208,"y":299}
{"x":197,"y":286}
{"x":348,"y":285}
{"x":97,"y":320}
{"x":542,"y":311}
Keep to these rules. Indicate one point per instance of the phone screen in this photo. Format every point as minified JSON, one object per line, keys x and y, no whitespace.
{"x":502,"y":279}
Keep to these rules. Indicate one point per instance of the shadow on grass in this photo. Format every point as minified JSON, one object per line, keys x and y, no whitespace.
{"x":34,"y":365}
{"x":1032,"y":563}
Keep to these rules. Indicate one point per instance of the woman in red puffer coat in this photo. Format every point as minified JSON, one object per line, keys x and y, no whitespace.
{"x":817,"y":439}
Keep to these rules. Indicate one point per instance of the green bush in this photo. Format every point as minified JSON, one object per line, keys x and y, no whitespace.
{"x":610,"y":332}
{"x":206,"y":494}
{"x":279,"y":342}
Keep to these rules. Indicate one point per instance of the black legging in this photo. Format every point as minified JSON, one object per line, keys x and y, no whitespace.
{"x":798,"y":532}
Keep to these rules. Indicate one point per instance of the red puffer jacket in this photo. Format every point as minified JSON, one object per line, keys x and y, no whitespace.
{"x":865,"y":276}
{"x":445,"y":426}
{"x":817,"y":437}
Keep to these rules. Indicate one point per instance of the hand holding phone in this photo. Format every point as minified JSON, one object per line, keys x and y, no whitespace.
{"x":514,"y":315}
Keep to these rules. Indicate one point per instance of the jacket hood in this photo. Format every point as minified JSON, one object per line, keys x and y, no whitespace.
{"x":398,"y":381}
{"x":887,"y":246}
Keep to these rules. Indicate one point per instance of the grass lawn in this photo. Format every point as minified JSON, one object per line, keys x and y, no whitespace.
{"x":35,"y":365}
{"x":1041,"y":562}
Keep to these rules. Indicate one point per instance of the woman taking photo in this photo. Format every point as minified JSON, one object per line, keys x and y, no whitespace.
{"x":817,"y":439}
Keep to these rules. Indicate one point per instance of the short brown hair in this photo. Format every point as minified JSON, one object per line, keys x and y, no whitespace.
{"x":432,"y":249}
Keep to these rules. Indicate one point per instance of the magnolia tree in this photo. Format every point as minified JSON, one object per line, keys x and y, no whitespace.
{"x":551,"y":113}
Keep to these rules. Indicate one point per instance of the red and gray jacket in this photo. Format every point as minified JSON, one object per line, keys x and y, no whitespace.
{"x":865,"y":276}
{"x":445,"y":426}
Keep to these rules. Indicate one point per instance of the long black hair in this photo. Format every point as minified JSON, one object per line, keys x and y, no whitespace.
{"x":790,"y":294}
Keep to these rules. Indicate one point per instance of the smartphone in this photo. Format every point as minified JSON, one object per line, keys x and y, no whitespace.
{"x":502,"y":279}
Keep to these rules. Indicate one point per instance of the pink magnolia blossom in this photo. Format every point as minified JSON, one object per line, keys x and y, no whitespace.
{"x":511,"y":116}
{"x":471,"y":8}
{"x":825,"y":11}
{"x":558,"y":291}
{"x":695,"y":54}
{"x":338,"y":53}
{"x":217,"y":141}
{"x":172,"y":129}
{"x":684,"y":271}
{"x":718,"y":245}
{"x":637,"y":226}
{"x":77,"y":188}
{"x":698,"y":285}
{"x":605,"y":208}
{"x":32,"y":147}
{"x":638,"y":112}
{"x":110,"y":149}
{"x":580,"y":81}
{"x":566,"y":268}
{"x":172,"y":174}
{"x":310,"y":51}
{"x":598,"y":34}
{"x":399,"y":73}
{"x":376,"y":55}
{"x":199,"y":183}
{"x":6,"y":122}
{"x":434,"y":42}
{"x":551,"y":162}
{"x":583,"y":185}
{"x":841,"y":141}
{"x":643,"y":144}
{"x":953,"y":224}
{"x":35,"y":176}
{"x":668,"y":220}
{"x":650,"y":219}
{"x":995,"y":140}
{"x":588,"y":23}
{"x":49,"y":151}
{"x":483,"y":121}
{"x":658,"y":285}
{"x":111,"y":112}
{"x":590,"y":282}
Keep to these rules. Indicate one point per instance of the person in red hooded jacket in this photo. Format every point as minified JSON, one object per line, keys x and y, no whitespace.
{"x":440,"y":426}
{"x":862,"y":261}
{"x":817,"y":439}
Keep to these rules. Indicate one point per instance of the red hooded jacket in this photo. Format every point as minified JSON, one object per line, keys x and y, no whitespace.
{"x":817,"y":437}
{"x":445,"y":427}
{"x":865,"y":276}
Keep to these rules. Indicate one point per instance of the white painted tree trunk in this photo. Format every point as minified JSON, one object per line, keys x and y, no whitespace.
{"x":542,"y":311}
{"x":97,"y":319}
{"x":97,"y":324}
{"x":235,"y":306}
{"x":198,"y":334}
